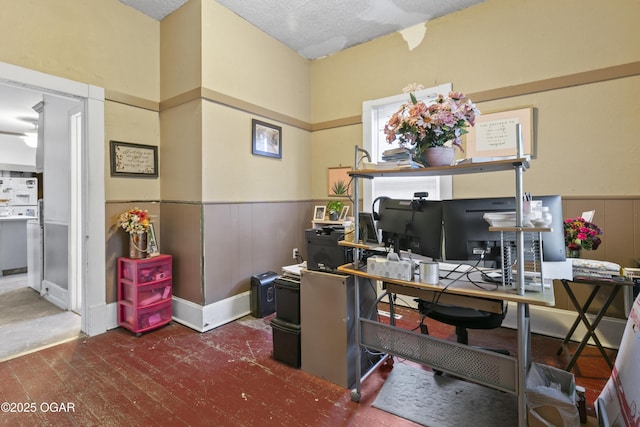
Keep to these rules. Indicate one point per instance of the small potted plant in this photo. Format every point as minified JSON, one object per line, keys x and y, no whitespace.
{"x":334,"y":207}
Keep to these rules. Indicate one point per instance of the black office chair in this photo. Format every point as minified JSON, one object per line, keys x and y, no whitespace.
{"x":462,"y":318}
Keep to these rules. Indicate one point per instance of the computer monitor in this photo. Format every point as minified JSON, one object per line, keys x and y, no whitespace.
{"x":467,"y":235}
{"x":368,"y":231}
{"x":414,"y":225}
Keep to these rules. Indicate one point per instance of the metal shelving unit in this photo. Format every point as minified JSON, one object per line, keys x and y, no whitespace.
{"x":518,"y":165}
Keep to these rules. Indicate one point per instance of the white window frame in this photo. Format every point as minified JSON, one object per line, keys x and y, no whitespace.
{"x":375,"y":114}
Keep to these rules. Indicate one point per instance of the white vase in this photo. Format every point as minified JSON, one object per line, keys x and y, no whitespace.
{"x":438,"y":156}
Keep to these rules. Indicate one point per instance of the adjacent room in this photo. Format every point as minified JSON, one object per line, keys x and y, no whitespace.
{"x":229,"y":212}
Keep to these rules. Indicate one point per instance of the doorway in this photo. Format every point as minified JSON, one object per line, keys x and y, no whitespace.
{"x":28,"y":322}
{"x":83,"y":267}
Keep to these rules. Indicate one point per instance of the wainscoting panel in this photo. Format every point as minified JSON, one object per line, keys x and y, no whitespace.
{"x":244,"y":239}
{"x":182,"y":238}
{"x":619,"y":218}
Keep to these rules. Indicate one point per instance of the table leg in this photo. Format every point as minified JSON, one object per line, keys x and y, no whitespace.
{"x":591,"y":327}
{"x":392,"y":311}
{"x":587,"y":304}
{"x":524,"y":360}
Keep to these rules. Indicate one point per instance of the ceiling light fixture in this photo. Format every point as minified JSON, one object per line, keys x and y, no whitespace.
{"x":30,"y":137}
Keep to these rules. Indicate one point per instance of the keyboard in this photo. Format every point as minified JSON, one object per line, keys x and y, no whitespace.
{"x":448,"y":266}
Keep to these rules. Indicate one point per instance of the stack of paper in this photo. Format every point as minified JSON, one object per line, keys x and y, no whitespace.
{"x":395,"y":154}
{"x":595,"y":269}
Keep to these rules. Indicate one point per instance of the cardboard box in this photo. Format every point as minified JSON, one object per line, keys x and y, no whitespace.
{"x":551,"y":397}
{"x":379,"y":266}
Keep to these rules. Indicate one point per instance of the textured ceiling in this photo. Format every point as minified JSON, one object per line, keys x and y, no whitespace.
{"x":157,"y":9}
{"x":317,"y":28}
{"x":313,"y":28}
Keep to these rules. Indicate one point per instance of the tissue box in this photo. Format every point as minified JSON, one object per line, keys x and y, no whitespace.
{"x":383,"y":267}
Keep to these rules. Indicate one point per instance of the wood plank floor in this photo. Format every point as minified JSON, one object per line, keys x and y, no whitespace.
{"x":225,"y":377}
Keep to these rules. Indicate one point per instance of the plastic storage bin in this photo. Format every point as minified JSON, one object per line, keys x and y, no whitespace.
{"x":141,"y":320}
{"x":146,"y":270}
{"x":288,"y":300}
{"x":263,"y":294}
{"x":286,"y":342}
{"x":144,"y":293}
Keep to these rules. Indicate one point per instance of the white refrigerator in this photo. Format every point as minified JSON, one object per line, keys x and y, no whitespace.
{"x":19,"y":205}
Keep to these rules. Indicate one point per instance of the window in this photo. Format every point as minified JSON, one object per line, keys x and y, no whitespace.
{"x":375,"y":114}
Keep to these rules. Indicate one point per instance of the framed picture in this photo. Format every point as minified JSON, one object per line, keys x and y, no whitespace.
{"x":134,"y":160}
{"x":495,"y":134}
{"x":153,"y":249}
{"x":267,"y":139}
{"x":343,"y":213}
{"x":339,"y":181}
{"x":319,"y":213}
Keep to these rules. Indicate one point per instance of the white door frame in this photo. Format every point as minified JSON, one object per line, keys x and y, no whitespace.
{"x":76,"y":229}
{"x":88,"y":217}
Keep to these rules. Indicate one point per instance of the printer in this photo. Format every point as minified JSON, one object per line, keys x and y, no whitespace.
{"x":323,"y":251}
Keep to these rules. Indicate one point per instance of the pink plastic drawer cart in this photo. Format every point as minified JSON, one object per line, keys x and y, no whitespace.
{"x":144,"y":293}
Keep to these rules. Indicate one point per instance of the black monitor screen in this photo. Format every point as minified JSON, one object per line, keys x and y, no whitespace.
{"x":368,"y":232}
{"x":414,"y":225}
{"x":467,"y":235}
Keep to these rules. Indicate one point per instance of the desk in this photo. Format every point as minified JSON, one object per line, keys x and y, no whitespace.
{"x":598,"y":284}
{"x":492,"y":369}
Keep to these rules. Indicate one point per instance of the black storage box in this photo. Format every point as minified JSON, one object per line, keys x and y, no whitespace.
{"x":288,"y":299}
{"x":286,"y":342}
{"x":323,"y":251}
{"x":263,"y":294}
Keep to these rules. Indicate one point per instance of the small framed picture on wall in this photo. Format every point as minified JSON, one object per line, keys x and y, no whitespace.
{"x":267,"y":139}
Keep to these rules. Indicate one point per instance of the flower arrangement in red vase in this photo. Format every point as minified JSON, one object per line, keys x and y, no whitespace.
{"x":581,"y":234}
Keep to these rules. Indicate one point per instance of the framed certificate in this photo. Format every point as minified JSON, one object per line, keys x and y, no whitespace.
{"x":495,"y":134}
{"x":134,"y":160}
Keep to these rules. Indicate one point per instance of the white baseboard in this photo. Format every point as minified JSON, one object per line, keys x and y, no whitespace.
{"x":54,"y":294}
{"x":97,"y":319}
{"x":205,"y":318}
{"x":556,"y":323}
{"x":198,"y":317}
{"x":544,"y":320}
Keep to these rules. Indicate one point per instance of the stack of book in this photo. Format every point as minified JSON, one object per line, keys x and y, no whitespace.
{"x":400,"y":157}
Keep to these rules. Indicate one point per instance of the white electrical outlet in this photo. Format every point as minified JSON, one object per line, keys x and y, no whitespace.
{"x":295,"y":253}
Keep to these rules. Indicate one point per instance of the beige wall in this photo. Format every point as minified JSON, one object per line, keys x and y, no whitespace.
{"x":192,"y":83}
{"x":181,"y":50}
{"x":235,"y":203}
{"x":181,"y":152}
{"x":106,"y":44}
{"x":232,"y":173}
{"x":578,"y":152}
{"x":126,"y":123}
{"x":243,"y":62}
{"x":586,"y":131}
{"x":103,"y":43}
